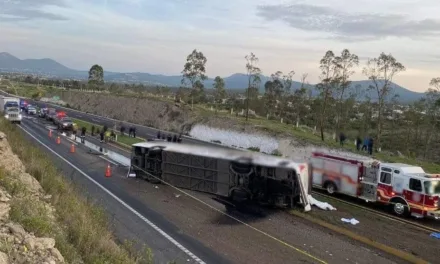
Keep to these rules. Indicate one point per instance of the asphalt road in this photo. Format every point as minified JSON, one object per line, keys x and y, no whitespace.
{"x":165,"y":239}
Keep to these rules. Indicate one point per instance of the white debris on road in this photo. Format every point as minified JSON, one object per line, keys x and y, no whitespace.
{"x":321,"y":205}
{"x":352,"y":221}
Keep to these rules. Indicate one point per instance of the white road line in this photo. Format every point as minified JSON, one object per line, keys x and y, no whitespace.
{"x":151,"y":224}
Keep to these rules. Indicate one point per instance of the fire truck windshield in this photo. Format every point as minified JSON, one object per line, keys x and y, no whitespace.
{"x":432,"y":187}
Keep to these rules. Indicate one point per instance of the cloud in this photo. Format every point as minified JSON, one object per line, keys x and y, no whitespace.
{"x":349,"y":27}
{"x":22,"y":10}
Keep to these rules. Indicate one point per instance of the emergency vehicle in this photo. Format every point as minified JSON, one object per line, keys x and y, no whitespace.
{"x":407,"y":189}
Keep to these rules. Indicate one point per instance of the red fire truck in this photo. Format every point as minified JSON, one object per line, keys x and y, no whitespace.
{"x":407,"y":189}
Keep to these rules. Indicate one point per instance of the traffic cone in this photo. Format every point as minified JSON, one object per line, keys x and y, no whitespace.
{"x":72,"y":148}
{"x":108,"y":171}
{"x":58,"y":140}
{"x":50,"y":132}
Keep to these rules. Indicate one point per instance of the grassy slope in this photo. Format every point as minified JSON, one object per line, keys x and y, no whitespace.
{"x":82,"y":228}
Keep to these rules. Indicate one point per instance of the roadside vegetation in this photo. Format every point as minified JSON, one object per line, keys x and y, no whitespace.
{"x":313,"y":114}
{"x":81,"y":229}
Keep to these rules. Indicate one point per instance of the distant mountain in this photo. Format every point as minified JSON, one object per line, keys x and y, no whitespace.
{"x":52,"y":69}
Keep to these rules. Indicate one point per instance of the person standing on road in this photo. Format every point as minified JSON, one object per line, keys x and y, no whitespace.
{"x":74,"y":130}
{"x":134,"y":132}
{"x":83,"y":134}
{"x":174,"y":138}
{"x":158,"y":134}
{"x":93,"y":131}
{"x":101,"y":134}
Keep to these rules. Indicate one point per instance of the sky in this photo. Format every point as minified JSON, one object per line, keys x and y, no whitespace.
{"x":156,"y":36}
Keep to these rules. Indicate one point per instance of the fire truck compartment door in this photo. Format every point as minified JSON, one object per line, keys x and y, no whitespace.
{"x":398,"y":185}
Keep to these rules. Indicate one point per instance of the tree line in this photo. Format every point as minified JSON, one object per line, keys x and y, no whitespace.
{"x":332,"y":110}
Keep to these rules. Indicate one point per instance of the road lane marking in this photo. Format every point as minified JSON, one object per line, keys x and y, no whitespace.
{"x":151,"y":224}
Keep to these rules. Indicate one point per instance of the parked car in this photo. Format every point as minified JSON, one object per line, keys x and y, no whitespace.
{"x":51,"y":113}
{"x":42,"y":113}
{"x":31,"y":110}
{"x":65,"y":123}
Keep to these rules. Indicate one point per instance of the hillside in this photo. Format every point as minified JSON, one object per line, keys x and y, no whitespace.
{"x":53,"y":69}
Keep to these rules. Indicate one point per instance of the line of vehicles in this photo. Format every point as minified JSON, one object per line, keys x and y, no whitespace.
{"x":13,"y":107}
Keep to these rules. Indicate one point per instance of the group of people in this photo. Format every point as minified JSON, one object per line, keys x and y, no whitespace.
{"x":367,"y":144}
{"x":131,"y":131}
{"x":169,"y":138}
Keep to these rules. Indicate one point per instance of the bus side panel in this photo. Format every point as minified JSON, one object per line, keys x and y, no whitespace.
{"x":192,"y":172}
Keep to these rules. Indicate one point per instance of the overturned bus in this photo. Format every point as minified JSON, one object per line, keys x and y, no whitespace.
{"x":236,"y":178}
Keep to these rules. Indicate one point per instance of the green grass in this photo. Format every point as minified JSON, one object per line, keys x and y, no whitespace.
{"x":81,"y":229}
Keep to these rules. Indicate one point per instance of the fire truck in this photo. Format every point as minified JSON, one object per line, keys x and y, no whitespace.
{"x":406,"y":189}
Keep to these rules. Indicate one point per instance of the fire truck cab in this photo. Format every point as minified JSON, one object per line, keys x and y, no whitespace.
{"x":407,"y":189}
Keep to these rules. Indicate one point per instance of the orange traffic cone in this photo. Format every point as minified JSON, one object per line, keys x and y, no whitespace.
{"x":108,"y":171}
{"x":58,"y":140}
{"x":50,"y":132}
{"x":72,"y":148}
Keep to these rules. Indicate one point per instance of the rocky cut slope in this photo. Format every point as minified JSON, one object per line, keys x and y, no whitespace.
{"x":17,"y":189}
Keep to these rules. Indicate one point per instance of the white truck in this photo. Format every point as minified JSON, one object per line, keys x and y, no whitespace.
{"x":10,"y":107}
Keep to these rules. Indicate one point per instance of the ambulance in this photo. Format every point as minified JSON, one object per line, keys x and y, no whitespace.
{"x":406,"y":189}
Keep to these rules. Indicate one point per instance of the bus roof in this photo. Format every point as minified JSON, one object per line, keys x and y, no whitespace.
{"x":223,"y":153}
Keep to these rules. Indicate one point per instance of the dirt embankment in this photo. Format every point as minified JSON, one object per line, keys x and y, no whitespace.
{"x":16,"y":244}
{"x":145,"y":111}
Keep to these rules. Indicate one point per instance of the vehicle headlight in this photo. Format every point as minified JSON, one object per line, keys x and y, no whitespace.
{"x":6,"y":116}
{"x":20,"y":116}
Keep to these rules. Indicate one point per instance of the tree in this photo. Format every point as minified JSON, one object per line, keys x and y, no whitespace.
{"x":96,"y":76}
{"x":274,"y":89}
{"x":432,"y":106}
{"x":219,"y":90}
{"x":254,"y":78}
{"x":287,"y":81}
{"x":381,"y":71}
{"x":345,"y":64}
{"x":194,"y":72}
{"x":329,"y":78}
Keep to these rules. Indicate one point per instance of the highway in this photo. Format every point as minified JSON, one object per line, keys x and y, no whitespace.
{"x":177,"y":227}
{"x":141,"y":131}
{"x":130,"y":218}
